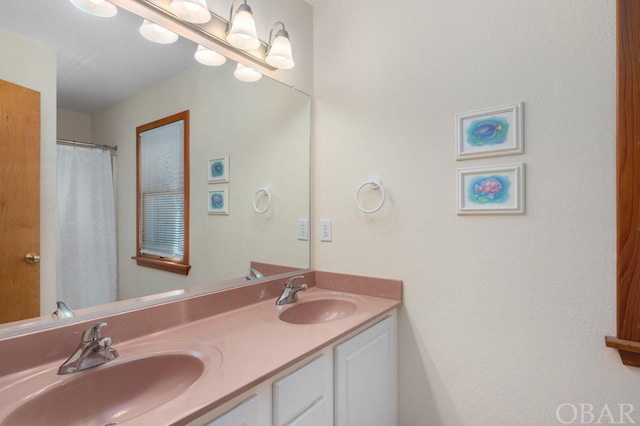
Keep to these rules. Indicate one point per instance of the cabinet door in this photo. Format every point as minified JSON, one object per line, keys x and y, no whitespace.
{"x":245,"y":414}
{"x":366,"y":391}
{"x":305,"y":397}
{"x":319,"y":414}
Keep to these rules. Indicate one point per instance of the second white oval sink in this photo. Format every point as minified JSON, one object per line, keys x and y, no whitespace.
{"x":318,"y":311}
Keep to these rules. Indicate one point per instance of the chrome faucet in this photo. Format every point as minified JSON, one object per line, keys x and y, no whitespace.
{"x":254,"y":274}
{"x":290,"y":291}
{"x":92,"y":351}
{"x":63,"y":311}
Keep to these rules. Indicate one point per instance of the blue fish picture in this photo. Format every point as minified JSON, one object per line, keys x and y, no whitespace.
{"x":489,"y":131}
{"x":217,"y":169}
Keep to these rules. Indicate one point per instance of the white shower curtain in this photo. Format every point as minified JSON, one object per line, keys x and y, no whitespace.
{"x":86,"y":234}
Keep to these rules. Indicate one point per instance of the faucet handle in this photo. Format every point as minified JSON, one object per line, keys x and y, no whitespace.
{"x":291,"y":282}
{"x":92,"y":333}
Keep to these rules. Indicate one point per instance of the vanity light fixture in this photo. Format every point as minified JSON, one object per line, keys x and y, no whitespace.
{"x":216,"y":37}
{"x":279,"y":49}
{"x":101,"y":8}
{"x":241,"y":29}
{"x":246,"y":74}
{"x":195,"y":11}
{"x":209,"y":57}
{"x":157,"y":33}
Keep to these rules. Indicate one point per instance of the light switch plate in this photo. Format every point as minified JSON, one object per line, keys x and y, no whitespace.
{"x":325,"y":230}
{"x":303,"y":229}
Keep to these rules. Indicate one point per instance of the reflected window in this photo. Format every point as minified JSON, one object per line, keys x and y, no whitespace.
{"x":163,"y":194}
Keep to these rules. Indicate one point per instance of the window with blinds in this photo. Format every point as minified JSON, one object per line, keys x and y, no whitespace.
{"x":163,"y":188}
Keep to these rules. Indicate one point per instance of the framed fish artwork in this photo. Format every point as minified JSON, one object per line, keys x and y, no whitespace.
{"x":218,"y":201}
{"x":491,"y":132}
{"x":491,"y":190}
{"x":219,"y":170}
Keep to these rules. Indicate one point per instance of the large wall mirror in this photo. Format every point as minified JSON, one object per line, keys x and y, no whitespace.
{"x":261,"y":129}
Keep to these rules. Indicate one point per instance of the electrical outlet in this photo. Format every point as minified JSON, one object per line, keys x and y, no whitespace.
{"x":303,"y":229}
{"x":325,"y":230}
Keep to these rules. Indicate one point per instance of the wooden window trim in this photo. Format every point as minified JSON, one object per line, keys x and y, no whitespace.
{"x":628,"y":181}
{"x":165,"y":264}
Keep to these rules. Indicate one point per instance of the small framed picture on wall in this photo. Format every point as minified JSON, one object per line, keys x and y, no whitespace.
{"x":219,"y":170}
{"x":491,"y":190}
{"x":218,"y":201}
{"x":491,"y":132}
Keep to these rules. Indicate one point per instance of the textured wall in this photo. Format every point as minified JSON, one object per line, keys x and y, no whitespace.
{"x":504,"y":316}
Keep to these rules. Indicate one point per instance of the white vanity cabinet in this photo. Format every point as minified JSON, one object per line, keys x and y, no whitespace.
{"x":366,"y":377}
{"x":351,"y":383}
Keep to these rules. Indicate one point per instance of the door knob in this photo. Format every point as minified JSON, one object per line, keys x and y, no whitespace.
{"x":32,"y":258}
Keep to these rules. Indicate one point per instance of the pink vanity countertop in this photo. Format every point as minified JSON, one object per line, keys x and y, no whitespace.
{"x":245,"y":345}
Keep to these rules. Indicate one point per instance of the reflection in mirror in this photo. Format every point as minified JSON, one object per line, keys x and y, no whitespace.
{"x":261,"y":130}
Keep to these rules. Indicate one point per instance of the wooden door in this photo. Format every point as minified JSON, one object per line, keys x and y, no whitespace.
{"x":19,"y":202}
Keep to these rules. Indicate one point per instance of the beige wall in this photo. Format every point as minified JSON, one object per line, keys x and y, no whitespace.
{"x":227,"y":117}
{"x":75,"y":126}
{"x":504,"y":316}
{"x":37,"y":71}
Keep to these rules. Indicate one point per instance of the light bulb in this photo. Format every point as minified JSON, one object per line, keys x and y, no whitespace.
{"x":280,"y":55}
{"x":209,"y":57}
{"x":156,"y":33}
{"x":246,"y":74}
{"x":243,"y":33}
{"x":100,"y":8}
{"x":195,"y":11}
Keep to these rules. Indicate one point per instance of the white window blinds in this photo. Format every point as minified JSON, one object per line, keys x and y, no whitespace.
{"x":162,"y":191}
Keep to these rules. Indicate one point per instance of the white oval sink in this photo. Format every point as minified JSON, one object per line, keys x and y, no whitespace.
{"x":143,"y":378}
{"x":112,"y":394}
{"x":318,"y":311}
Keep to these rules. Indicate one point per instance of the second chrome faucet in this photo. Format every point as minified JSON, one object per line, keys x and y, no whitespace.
{"x":290,"y":291}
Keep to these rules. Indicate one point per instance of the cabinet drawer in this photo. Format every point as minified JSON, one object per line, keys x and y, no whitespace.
{"x":307,"y":389}
{"x":245,"y":414}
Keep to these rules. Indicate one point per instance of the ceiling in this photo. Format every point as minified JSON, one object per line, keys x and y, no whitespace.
{"x":99,"y":60}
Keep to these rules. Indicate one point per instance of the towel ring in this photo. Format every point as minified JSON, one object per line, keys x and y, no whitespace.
{"x":376,"y":183}
{"x":265,"y":192}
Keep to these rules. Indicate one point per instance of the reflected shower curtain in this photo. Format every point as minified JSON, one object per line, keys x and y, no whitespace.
{"x":86,"y":234}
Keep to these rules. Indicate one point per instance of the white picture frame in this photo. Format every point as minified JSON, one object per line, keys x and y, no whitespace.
{"x":490,"y":132}
{"x":219,"y":170}
{"x":218,"y":201}
{"x":491,"y":190}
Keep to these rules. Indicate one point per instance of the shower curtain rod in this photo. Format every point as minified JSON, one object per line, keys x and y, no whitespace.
{"x":85,"y":144}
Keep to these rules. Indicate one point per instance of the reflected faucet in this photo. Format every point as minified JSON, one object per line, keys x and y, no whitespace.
{"x":92,"y":351}
{"x":254,"y":274}
{"x":290,"y":291}
{"x":63,"y":311}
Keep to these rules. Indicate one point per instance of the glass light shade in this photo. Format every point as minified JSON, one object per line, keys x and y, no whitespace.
{"x":246,"y":74}
{"x":100,"y":8}
{"x":195,"y":11}
{"x":243,"y":33}
{"x":156,"y":33}
{"x":209,"y":57}
{"x":280,"y":55}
